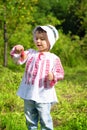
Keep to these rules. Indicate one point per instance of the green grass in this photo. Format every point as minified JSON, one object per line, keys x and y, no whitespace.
{"x":69,"y":114}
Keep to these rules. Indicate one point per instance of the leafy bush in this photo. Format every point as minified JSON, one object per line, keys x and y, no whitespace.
{"x":69,"y":50}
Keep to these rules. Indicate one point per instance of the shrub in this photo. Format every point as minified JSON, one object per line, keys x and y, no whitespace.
{"x":69,"y":50}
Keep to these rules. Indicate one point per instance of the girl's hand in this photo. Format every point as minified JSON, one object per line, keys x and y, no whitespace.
{"x":19,"y":49}
{"x":50,"y":76}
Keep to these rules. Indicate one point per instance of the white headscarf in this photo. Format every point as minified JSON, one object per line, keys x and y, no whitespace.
{"x":52,"y":34}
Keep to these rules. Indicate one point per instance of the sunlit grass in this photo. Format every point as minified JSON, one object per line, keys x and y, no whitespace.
{"x":71,"y":111}
{"x":69,"y":114}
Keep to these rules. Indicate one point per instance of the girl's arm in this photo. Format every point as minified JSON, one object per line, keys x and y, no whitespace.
{"x":57,"y":72}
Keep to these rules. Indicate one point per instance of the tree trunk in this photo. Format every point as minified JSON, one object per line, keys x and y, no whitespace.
{"x":5,"y":44}
{"x":5,"y":38}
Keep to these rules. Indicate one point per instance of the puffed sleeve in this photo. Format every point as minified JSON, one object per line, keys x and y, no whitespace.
{"x":58,"y":71}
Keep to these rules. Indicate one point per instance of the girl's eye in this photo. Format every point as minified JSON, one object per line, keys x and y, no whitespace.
{"x":42,"y":39}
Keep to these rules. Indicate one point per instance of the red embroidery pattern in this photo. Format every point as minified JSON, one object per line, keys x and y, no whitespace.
{"x":41,"y":74}
{"x":36,"y":67}
{"x":26,"y":70}
{"x":59,"y":70}
{"x":46,"y":72}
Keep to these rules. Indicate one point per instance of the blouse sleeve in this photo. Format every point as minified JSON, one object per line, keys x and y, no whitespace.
{"x":58,"y":71}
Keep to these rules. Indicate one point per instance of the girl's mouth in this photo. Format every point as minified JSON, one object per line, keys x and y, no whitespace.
{"x":38,"y":45}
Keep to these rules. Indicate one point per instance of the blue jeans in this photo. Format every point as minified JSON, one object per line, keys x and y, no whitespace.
{"x":35,"y":112}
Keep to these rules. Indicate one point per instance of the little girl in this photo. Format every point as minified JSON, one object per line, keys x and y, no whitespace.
{"x":42,"y":71}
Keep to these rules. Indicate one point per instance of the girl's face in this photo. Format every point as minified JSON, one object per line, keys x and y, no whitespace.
{"x":41,"y":41}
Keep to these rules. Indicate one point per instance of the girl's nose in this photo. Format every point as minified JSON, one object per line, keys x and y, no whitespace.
{"x":38,"y":40}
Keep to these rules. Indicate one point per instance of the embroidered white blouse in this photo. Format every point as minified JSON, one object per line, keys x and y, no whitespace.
{"x":35,"y":85}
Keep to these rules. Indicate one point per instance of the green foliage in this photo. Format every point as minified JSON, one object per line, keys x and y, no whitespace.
{"x":13,"y":121}
{"x":69,"y":50}
{"x":83,"y":45}
{"x":75,"y":19}
{"x":70,"y":16}
{"x":22,"y":35}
